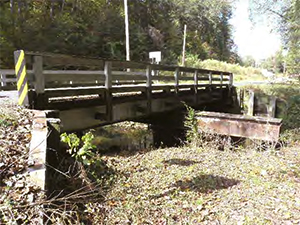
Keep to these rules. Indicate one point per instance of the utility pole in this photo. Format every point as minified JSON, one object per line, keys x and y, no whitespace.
{"x":127,"y":30}
{"x":183,"y":47}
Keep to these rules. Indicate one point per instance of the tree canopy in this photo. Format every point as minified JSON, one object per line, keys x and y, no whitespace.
{"x":285,"y":15}
{"x":96,"y":28}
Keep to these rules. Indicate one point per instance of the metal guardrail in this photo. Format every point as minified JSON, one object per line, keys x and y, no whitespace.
{"x":254,"y":127}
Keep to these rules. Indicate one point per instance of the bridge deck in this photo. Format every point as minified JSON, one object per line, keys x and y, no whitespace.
{"x":98,"y":91}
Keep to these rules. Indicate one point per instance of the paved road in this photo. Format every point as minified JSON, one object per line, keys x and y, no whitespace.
{"x":9,"y":96}
{"x":243,"y":83}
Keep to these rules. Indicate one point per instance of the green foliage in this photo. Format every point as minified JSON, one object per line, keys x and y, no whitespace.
{"x":289,"y":93}
{"x":190,"y":123}
{"x":96,"y":28}
{"x":240,"y":72}
{"x":285,"y":17}
{"x":80,"y":149}
{"x":292,"y":118}
{"x":248,"y":61}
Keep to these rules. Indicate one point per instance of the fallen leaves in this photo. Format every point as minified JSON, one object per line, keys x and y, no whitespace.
{"x":17,"y":193}
{"x":207,"y":186}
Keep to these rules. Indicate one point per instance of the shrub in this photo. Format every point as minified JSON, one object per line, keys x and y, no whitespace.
{"x":240,"y":72}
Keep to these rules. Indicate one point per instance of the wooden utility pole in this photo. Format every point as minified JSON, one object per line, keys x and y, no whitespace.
{"x":127,"y":30}
{"x":183,"y":47}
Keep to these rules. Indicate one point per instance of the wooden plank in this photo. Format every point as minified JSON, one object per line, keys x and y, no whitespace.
{"x":109,"y":105}
{"x":221,"y":78}
{"x":3,"y":80}
{"x":251,"y":103}
{"x":67,"y":60}
{"x":10,"y":80}
{"x":39,"y":84}
{"x":124,"y":73}
{"x":7,"y":72}
{"x":51,"y":93}
{"x":108,"y":92}
{"x":196,"y":82}
{"x":176,"y":75}
{"x":73,"y":72}
{"x":231,"y":80}
{"x":79,"y":77}
{"x":149,"y":89}
{"x":210,"y":78}
{"x":272,"y":107}
{"x":59,"y":85}
{"x":108,"y":77}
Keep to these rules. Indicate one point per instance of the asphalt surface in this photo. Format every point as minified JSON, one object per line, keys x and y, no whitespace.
{"x":9,"y":96}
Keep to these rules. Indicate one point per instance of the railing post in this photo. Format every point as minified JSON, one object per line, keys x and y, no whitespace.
{"x":108,"y":77}
{"x":149,"y":88}
{"x":196,"y":81}
{"x":3,"y":80}
{"x":196,"y":85}
{"x":272,"y":107}
{"x":39,"y":84}
{"x":221,"y":78}
{"x":251,"y":103}
{"x":108,"y":94}
{"x":176,"y":75}
{"x":230,"y":80}
{"x":210,"y":78}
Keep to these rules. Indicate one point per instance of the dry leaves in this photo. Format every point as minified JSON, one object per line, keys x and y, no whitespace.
{"x":205,"y":186}
{"x":17,"y":193}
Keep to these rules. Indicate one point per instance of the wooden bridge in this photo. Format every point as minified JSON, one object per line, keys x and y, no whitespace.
{"x":90,"y":92}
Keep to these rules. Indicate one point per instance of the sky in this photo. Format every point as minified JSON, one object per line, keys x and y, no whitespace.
{"x":257,"y":41}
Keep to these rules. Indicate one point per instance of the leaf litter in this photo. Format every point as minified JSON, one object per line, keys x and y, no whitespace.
{"x":17,"y":192}
{"x":190,"y":185}
{"x":186,"y":185}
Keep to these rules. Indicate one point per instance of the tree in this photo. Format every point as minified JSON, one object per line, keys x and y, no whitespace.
{"x":248,"y":61}
{"x":96,"y":28}
{"x":286,"y":17}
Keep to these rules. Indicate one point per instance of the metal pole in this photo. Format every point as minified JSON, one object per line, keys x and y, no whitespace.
{"x":183,"y":48}
{"x":127,"y":31}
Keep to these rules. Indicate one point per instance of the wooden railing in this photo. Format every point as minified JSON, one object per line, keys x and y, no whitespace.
{"x":52,"y":76}
{"x":7,"y":80}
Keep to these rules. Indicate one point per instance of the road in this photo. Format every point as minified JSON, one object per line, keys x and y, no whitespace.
{"x":9,"y":96}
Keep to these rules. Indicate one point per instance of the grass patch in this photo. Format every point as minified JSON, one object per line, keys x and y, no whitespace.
{"x":241,"y":73}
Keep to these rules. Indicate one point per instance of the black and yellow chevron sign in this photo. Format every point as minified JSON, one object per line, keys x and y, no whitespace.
{"x":20,"y":68}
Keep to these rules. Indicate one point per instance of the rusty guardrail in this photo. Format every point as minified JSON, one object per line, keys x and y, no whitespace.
{"x":254,"y":127}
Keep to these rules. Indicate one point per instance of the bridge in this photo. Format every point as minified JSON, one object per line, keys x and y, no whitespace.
{"x":88,"y":92}
{"x":69,"y":93}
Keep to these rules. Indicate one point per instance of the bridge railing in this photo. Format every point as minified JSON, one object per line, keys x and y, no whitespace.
{"x":54,"y":76}
{"x":7,"y":79}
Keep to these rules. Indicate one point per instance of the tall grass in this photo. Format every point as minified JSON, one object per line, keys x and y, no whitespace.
{"x":240,"y":73}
